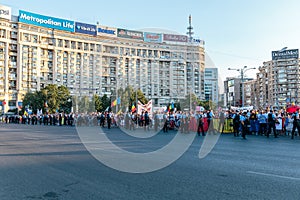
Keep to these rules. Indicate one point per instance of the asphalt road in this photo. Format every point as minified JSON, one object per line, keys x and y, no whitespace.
{"x":51,"y":163}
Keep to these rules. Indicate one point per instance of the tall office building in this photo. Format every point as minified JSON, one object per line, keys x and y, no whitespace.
{"x":37,"y":50}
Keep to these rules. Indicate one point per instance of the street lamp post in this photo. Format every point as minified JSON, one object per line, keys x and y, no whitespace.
{"x":242,"y":72}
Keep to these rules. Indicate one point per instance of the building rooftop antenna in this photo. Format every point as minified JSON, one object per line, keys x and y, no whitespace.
{"x":190,"y":32}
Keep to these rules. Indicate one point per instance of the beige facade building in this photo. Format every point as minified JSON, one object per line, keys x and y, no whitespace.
{"x":93,"y":59}
{"x":250,"y":92}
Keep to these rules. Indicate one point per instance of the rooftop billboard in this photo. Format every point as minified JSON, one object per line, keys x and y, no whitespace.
{"x":5,"y":12}
{"x":46,"y":21}
{"x":286,"y":54}
{"x":130,"y":34}
{"x":106,"y":31}
{"x":85,"y":28}
{"x":175,"y":38}
{"x":152,"y":37}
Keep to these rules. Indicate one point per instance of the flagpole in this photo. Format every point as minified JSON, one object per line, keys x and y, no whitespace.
{"x":136,"y":101}
{"x":117,"y":96}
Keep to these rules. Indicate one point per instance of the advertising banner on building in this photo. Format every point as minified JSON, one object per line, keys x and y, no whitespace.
{"x":175,"y":38}
{"x":46,"y":21}
{"x":85,"y":28}
{"x":198,"y":41}
{"x":286,"y":54}
{"x":106,"y":31}
{"x":5,"y":12}
{"x":152,"y":37}
{"x":137,"y":35}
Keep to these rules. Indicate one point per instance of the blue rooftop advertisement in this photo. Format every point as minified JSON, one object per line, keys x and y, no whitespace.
{"x":85,"y":28}
{"x":46,"y":21}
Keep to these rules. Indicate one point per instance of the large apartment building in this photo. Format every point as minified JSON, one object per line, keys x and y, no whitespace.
{"x":278,"y":82}
{"x":37,"y":50}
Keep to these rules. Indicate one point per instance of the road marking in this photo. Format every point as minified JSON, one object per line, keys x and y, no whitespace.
{"x":274,"y":175}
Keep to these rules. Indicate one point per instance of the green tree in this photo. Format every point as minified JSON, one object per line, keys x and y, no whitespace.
{"x":33,"y":101}
{"x":57,"y":98}
{"x":105,"y":102}
{"x":51,"y":97}
{"x":141,"y":97}
{"x":97,"y":103}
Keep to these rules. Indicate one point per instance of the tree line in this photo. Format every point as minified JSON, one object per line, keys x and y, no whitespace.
{"x":54,"y":98}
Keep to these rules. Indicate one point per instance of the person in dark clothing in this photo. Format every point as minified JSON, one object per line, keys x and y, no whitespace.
{"x":200,"y":123}
{"x":243,"y":120}
{"x":296,"y":123}
{"x":29,"y":119}
{"x":108,"y":118}
{"x":236,"y":124}
{"x":147,"y":120}
{"x":51,"y":119}
{"x":210,"y":125}
{"x":60,"y":119}
{"x":102,"y":120}
{"x":271,"y":124}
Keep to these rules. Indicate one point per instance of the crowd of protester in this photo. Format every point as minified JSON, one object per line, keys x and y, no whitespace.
{"x":240,"y":123}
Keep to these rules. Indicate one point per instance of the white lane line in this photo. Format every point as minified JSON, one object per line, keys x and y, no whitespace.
{"x":274,"y":175}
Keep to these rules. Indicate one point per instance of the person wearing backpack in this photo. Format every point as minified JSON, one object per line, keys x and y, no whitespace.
{"x":236,"y":124}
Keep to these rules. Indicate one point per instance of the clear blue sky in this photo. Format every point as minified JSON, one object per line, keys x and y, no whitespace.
{"x":236,"y":32}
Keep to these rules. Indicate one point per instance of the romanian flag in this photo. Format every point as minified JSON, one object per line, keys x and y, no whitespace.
{"x":133,"y":108}
{"x":114,"y":103}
